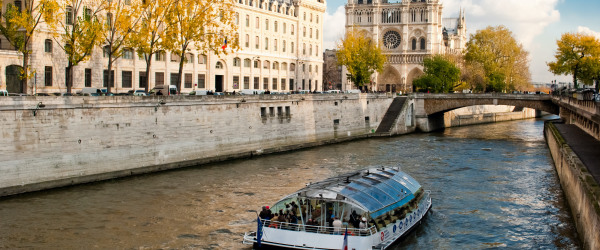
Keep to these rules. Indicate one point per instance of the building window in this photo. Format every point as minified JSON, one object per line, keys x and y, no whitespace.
{"x":247,"y":41}
{"x":128,"y":53}
{"x":237,"y":62}
{"x":317,"y":33}
{"x":246,"y":82}
{"x":304,"y":49}
{"x":187,"y":81}
{"x":247,"y":20}
{"x":126,"y":79}
{"x":237,"y":18}
{"x":159,"y":78}
{"x":88,"y":77}
{"x":283,"y":46}
{"x":257,"y":23}
{"x":310,"y":49}
{"x":201,"y":59}
{"x":218,"y":65}
{"x":292,"y":67}
{"x":175,"y":79}
{"x":266,"y":65}
{"x":284,"y":28}
{"x":256,"y":42}
{"x":275,"y":65}
{"x":48,"y":76}
{"x":201,"y":79}
{"x":18,"y":5}
{"x":275,"y":26}
{"x":112,"y":79}
{"x":274,"y":84}
{"x":304,"y":16}
{"x":310,"y":34}
{"x":265,"y":83}
{"x":422,"y":43}
{"x":109,"y":17}
{"x":175,"y":57}
{"x":304,"y":31}
{"x":317,"y":18}
{"x":160,"y":56}
{"x":292,"y":29}
{"x":69,"y":16}
{"x":236,"y":82}
{"x":282,"y":83}
{"x":247,"y":63}
{"x":256,"y":82}
{"x":48,"y":46}
{"x":275,"y":45}
{"x":266,"y":24}
{"x":414,"y":44}
{"x":310,"y":17}
{"x":284,"y":66}
{"x":142,"y":79}
{"x":105,"y":51}
{"x":292,"y":47}
{"x":266,"y":43}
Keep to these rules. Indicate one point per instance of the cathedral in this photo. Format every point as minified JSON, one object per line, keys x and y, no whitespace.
{"x":408,"y":31}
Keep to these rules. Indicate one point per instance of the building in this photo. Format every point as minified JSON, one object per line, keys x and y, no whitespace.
{"x":409,"y":30}
{"x":280,"y":50}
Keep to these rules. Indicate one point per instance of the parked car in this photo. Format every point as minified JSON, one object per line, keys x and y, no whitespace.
{"x":3,"y":92}
{"x":164,"y":90}
{"x":139,"y":92}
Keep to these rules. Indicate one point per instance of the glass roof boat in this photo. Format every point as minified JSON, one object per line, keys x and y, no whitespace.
{"x":367,"y":209}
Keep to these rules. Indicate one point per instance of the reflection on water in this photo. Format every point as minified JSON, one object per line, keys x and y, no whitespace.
{"x":492,"y":186}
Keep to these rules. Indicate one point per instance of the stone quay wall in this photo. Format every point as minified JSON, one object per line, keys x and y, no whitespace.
{"x":50,"y":142}
{"x":581,"y":190}
{"x":70,"y":140}
{"x":486,"y":114}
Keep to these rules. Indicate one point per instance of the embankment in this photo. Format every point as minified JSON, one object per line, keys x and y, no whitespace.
{"x":581,"y":190}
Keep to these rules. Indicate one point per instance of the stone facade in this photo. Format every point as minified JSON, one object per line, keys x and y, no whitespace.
{"x":280,"y":50}
{"x":409,"y":31}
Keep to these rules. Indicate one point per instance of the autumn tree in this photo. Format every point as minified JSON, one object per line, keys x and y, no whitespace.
{"x":206,"y":24}
{"x":21,"y":24}
{"x":77,"y":32}
{"x":504,"y":61}
{"x":119,"y":22}
{"x":578,"y":54}
{"x":361,"y":55}
{"x":440,"y":76}
{"x":148,"y":38}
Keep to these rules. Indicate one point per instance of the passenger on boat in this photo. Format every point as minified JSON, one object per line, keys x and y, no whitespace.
{"x":337,"y":226}
{"x":354,"y":219}
{"x":263,"y":214}
{"x":363,"y":226}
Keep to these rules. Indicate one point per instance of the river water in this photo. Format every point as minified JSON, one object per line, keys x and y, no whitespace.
{"x":492,"y":186}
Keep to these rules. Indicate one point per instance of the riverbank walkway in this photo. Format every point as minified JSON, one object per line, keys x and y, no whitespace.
{"x":584,"y":145}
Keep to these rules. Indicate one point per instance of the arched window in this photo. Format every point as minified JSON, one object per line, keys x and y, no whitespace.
{"x":292,"y":67}
{"x":247,"y":63}
{"x":283,"y":66}
{"x":414,"y":44}
{"x":422,"y":43}
{"x":275,"y":65}
{"x":256,"y":64}
{"x":237,"y":62}
{"x":266,"y":65}
{"x":218,"y":65}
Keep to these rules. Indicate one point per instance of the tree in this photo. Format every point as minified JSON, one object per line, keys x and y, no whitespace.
{"x":441,"y":76}
{"x":205,"y":23}
{"x":119,"y":22}
{"x":20,"y":25}
{"x":147,"y":37}
{"x":361,"y":55}
{"x":501,"y":57}
{"x":578,"y":54}
{"x":78,"y":32}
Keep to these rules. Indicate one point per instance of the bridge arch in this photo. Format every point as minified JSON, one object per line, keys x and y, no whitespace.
{"x":434,"y":106}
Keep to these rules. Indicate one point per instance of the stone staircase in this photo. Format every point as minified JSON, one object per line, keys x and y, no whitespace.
{"x":390,"y":117}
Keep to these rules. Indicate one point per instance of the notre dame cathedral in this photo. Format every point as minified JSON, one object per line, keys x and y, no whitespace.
{"x":409,"y":31}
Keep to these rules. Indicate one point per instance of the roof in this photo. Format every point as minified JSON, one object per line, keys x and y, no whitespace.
{"x":375,"y":190}
{"x":451,"y":25}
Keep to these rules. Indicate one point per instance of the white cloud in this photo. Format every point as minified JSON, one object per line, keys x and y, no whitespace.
{"x":588,"y":31}
{"x":525,"y":18}
{"x":333,"y":27}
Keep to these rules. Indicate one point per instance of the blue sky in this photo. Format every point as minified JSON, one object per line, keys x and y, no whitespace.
{"x":537,"y":24}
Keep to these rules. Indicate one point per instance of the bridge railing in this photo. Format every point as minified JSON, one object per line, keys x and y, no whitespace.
{"x":586,"y":105}
{"x":481,"y":96}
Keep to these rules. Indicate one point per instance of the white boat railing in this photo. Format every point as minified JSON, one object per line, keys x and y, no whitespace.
{"x":318,"y":229}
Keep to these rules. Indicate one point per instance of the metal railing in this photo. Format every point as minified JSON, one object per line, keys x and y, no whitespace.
{"x":318,"y":229}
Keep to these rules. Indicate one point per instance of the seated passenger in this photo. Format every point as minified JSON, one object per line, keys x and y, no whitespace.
{"x":337,"y":225}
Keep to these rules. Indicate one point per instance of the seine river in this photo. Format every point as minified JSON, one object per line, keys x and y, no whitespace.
{"x":493,"y":186}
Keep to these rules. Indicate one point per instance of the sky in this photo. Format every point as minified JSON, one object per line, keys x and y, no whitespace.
{"x":537,"y":24}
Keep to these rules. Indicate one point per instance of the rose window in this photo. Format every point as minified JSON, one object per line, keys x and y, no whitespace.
{"x":391,"y":39}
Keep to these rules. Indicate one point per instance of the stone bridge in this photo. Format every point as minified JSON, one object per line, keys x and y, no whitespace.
{"x":430,"y":108}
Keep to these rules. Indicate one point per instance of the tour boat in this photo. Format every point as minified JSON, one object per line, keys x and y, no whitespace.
{"x":387,"y":201}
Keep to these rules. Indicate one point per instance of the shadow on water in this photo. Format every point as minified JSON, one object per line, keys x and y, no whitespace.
{"x":492,"y":185}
